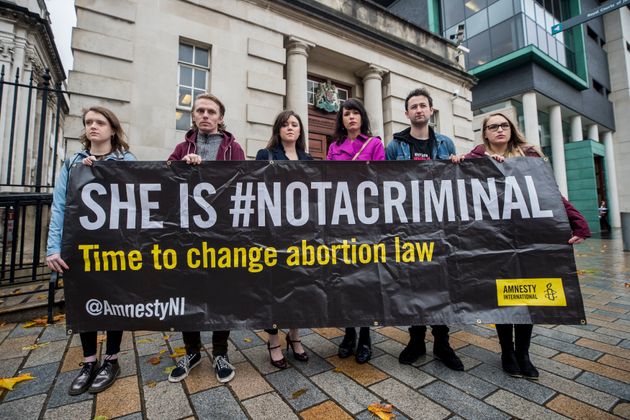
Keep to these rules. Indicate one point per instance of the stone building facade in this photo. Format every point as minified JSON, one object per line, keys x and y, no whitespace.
{"x":146,"y":60}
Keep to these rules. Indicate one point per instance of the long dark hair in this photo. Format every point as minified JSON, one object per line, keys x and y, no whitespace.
{"x":516,"y":141}
{"x":340,"y":131}
{"x":282,"y":118}
{"x":119,"y":139}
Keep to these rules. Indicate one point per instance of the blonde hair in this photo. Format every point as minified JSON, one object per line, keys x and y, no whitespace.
{"x":517,"y":141}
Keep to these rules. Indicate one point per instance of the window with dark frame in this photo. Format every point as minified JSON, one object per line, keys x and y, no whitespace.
{"x":192,"y":80}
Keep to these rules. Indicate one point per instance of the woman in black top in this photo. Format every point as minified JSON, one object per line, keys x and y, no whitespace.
{"x":286,"y":143}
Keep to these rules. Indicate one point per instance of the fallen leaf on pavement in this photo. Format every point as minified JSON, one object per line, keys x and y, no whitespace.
{"x":151,"y":384}
{"x":169,"y":369}
{"x":166,"y":337}
{"x":9,"y":383}
{"x":298,"y":393}
{"x":35,"y":346}
{"x":247,"y":340}
{"x":15,"y":291}
{"x":162,"y":351}
{"x":155,"y":360}
{"x":337,"y":370}
{"x":178,"y":352}
{"x":383,"y":411}
{"x":101,"y":418}
{"x":144,"y":341}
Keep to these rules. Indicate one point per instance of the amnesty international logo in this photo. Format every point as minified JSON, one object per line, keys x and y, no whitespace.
{"x":531,"y":292}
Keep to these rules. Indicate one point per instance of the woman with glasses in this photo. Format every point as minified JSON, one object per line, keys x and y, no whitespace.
{"x":501,"y":140}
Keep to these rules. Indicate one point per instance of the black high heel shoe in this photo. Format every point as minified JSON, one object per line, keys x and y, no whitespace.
{"x":302,"y":357}
{"x":280,"y":364}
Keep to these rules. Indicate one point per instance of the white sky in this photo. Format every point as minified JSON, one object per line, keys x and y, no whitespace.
{"x":62,"y":19}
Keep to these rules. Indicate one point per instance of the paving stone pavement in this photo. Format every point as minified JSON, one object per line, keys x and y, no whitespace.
{"x":584,"y":369}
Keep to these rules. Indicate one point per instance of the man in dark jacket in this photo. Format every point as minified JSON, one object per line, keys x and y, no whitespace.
{"x":207,"y":140}
{"x":421,"y":142}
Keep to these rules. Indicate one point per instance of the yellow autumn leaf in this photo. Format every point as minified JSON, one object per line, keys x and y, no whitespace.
{"x":178,"y":352}
{"x":155,"y":360}
{"x":151,"y":384}
{"x":337,"y":370}
{"x":382,"y":411}
{"x":298,"y":393}
{"x":101,"y":418}
{"x":35,"y":346}
{"x":166,"y":337}
{"x":9,"y":383}
{"x":37,"y":322}
{"x":247,"y":340}
{"x":162,"y":351}
{"x":169,"y":369}
{"x":144,"y":341}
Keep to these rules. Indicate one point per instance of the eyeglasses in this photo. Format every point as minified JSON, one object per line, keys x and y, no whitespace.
{"x":495,"y":127}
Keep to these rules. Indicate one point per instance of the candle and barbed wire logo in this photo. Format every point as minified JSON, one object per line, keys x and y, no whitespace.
{"x":550,"y":293}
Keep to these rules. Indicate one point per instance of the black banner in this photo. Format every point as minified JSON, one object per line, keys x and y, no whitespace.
{"x":229,"y":245}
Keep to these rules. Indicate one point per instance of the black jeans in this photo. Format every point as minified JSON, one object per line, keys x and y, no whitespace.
{"x":112,"y":345}
{"x":438,"y":331}
{"x":192,"y":342}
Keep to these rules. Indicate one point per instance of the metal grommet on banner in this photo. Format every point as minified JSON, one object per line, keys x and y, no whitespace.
{"x":545,"y":158}
{"x":274,"y":326}
{"x":168,"y":163}
{"x":376,"y":323}
{"x":69,"y":332}
{"x":478,"y":321}
{"x":583,"y":321}
{"x":171,"y":329}
{"x":271,"y":162}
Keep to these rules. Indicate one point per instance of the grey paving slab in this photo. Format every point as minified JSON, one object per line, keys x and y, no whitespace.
{"x":54,"y":332}
{"x":460,"y":402}
{"x":314,"y":365}
{"x":259,"y":357}
{"x":625,"y":344}
{"x":150,"y":372}
{"x":150,"y":344}
{"x":299,"y":392}
{"x":556,"y":334}
{"x":407,"y":400}
{"x":268,"y":407}
{"x":612,"y":314}
{"x":217,"y":403}
{"x":4,"y":334}
{"x":166,"y":401}
{"x":565,"y":347}
{"x":578,"y":391}
{"x":609,"y":386}
{"x":320,"y":345}
{"x":59,"y":395}
{"x":527,"y":389}
{"x":542,"y":350}
{"x":406,"y":374}
{"x":391,"y":347}
{"x":602,"y":338}
{"x":550,"y":365}
{"x":127,"y":363}
{"x":76,"y":411}
{"x":23,"y":409}
{"x":463,"y":380}
{"x":625,"y":335}
{"x":481,"y":330}
{"x":519,"y":407}
{"x":245,"y":339}
{"x":44,"y":376}
{"x":20,"y":331}
{"x":49,"y":352}
{"x":347,"y":393}
{"x":75,"y":341}
{"x":486,"y":356}
{"x":9,"y":367}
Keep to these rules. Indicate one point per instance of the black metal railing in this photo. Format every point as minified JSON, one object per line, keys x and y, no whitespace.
{"x":28,"y":177}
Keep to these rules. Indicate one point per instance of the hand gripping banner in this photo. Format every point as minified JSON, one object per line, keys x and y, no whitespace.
{"x":227,"y":245}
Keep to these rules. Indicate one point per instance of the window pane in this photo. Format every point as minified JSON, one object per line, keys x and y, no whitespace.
{"x":182,"y":120}
{"x":540,"y":14}
{"x":552,"y":47}
{"x":500,"y":11}
{"x":185,"y":53}
{"x":503,"y":37}
{"x":342,"y":94}
{"x":198,"y":92}
{"x":185,"y":98}
{"x":476,"y":24}
{"x":562,"y":57}
{"x":185,"y":76}
{"x":479,"y":49}
{"x":454,"y":13}
{"x":473,"y":6}
{"x":201,"y":57}
{"x":542,"y":39}
{"x":200,"y":79}
{"x":310,"y":98}
{"x":529,"y":9}
{"x":531,"y":32}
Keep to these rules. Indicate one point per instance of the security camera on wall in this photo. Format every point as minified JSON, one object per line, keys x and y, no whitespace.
{"x":463,"y":49}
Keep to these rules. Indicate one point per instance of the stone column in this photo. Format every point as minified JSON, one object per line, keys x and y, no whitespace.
{"x":557,"y":149}
{"x":530,"y":114}
{"x":611,"y":181}
{"x":373,"y":96}
{"x":576,"y":128}
{"x":297,"y":55}
{"x":593,"y":132}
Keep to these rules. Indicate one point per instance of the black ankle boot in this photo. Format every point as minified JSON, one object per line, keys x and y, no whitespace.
{"x":346,"y":348}
{"x":508,"y":356}
{"x":415,"y":348}
{"x":442,"y":350}
{"x":528,"y":370}
{"x":522,"y":338}
{"x":364,"y":350}
{"x":509,"y":364}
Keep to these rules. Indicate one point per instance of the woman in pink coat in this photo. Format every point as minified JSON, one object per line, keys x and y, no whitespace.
{"x":353,"y":141}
